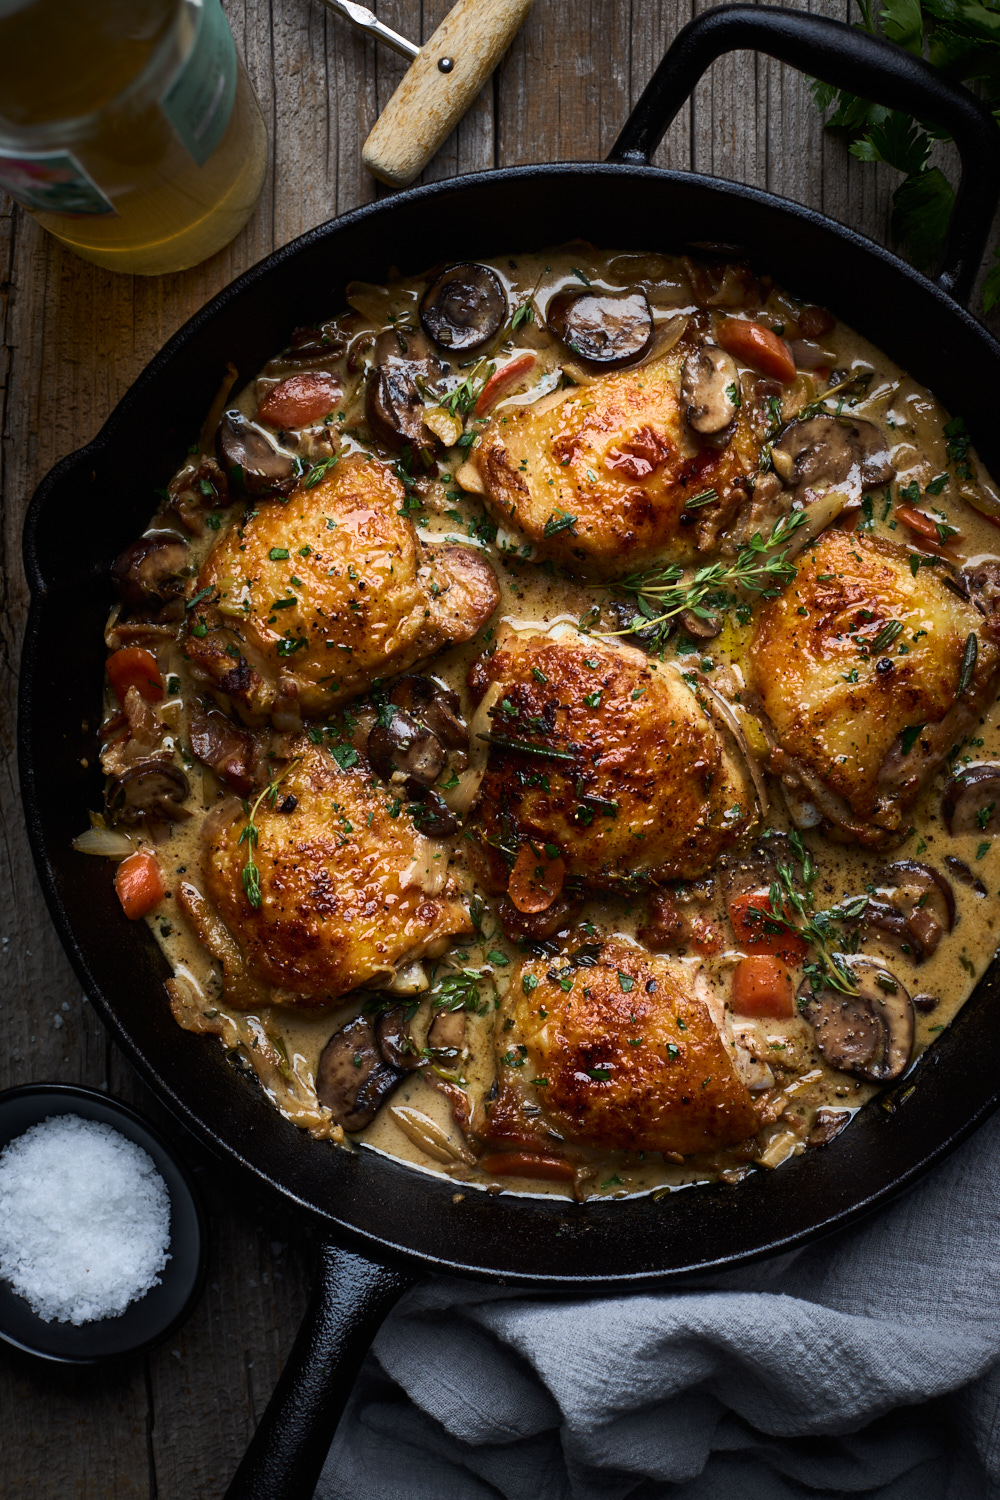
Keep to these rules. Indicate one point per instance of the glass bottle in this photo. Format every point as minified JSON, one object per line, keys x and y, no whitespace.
{"x":129,"y":128}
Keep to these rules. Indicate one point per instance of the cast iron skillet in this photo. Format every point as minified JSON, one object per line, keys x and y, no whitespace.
{"x":387,"y":1222}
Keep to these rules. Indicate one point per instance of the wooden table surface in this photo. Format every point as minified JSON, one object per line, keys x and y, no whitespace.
{"x":74,"y":338}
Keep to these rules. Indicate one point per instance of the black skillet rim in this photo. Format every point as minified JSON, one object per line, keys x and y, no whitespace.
{"x":508,"y":1221}
{"x":139,"y":1129}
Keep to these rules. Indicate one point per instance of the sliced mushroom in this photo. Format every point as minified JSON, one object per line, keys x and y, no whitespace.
{"x":826,"y":452}
{"x":464,"y":307}
{"x":925,"y":1003}
{"x":603,"y":329}
{"x":710,"y":389}
{"x":433,"y":817}
{"x":227,"y":750}
{"x":924,"y":897}
{"x":869,"y":1034}
{"x":700,"y":629}
{"x":433,"y":705}
{"x":395,"y":1043}
{"x":353,"y":1078}
{"x":394,"y":408}
{"x":447,"y":1032}
{"x":148,"y":571}
{"x":826,"y":1124}
{"x":408,"y":748}
{"x":969,"y":803}
{"x":961,"y":872}
{"x":251,"y":457}
{"x":533,"y":927}
{"x":151,"y":791}
{"x":879,"y":916}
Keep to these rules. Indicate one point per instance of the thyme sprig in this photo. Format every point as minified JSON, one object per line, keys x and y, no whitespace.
{"x":251,"y":833}
{"x":661,"y":594}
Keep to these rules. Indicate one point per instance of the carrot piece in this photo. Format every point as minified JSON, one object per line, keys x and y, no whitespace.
{"x":536,"y":879}
{"x":528,"y":1164}
{"x":753,"y":933}
{"x":758,"y":347}
{"x":502,"y":381}
{"x":922,"y":524}
{"x":133,"y":666}
{"x":139,"y":884}
{"x":299,"y":400}
{"x":763,"y":989}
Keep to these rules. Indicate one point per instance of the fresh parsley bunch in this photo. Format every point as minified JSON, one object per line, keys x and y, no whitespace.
{"x":962,"y":38}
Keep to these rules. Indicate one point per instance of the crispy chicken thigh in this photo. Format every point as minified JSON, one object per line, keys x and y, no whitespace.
{"x":349,"y":893}
{"x":858,"y":650}
{"x":313,"y":599}
{"x":624,"y":770}
{"x":620,"y":1054}
{"x":604,"y":475}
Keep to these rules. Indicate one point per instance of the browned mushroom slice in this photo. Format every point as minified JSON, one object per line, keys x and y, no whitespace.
{"x":710,"y":389}
{"x":969,"y":802}
{"x":882,"y":918}
{"x":433,"y":817}
{"x":447,"y":1033}
{"x":394,"y":408}
{"x":353,"y":1077}
{"x":151,"y":791}
{"x":433,"y":705}
{"x":392,"y":1032}
{"x":825,"y":452}
{"x":869,"y":1034}
{"x":227,"y":750}
{"x":603,"y":329}
{"x":925,"y":899}
{"x":404,"y":747}
{"x":827,"y":1123}
{"x":464,"y":307}
{"x":148,"y":571}
{"x":251,"y":457}
{"x":961,"y":872}
{"x":534,"y":927}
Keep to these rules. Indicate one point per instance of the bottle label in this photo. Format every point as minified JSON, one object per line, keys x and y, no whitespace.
{"x":51,"y":183}
{"x":200,"y":100}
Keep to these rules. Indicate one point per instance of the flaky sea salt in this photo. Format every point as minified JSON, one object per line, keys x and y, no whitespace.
{"x":84,"y":1219}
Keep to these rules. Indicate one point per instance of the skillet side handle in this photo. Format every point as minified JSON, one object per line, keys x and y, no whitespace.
{"x":350,"y":1298}
{"x":867,"y":65}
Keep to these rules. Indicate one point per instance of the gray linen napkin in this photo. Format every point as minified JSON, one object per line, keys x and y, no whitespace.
{"x":867,"y":1364}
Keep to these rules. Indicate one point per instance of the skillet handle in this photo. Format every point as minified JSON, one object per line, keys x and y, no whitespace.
{"x":849,"y":58}
{"x":350,"y":1298}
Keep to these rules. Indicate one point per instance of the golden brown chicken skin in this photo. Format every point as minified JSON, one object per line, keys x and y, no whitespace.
{"x":617,"y":457}
{"x":624,"y":770}
{"x":349,"y":889}
{"x":313,"y":599}
{"x":856,"y":651}
{"x":618,"y":1055}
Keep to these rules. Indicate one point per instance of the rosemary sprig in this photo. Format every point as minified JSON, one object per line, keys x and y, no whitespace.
{"x":855,"y":384}
{"x":970,"y":655}
{"x":663,"y":593}
{"x":251,"y":833}
{"x":503,"y":742}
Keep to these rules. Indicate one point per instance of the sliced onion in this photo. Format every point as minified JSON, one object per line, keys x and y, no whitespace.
{"x":109,"y":843}
{"x":460,"y":798}
{"x":819,"y":513}
{"x":735,"y":728}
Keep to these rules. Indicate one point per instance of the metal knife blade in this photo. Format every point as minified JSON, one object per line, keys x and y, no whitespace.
{"x":365,"y":20}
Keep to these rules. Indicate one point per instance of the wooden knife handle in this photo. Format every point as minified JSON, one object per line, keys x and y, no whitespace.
{"x":428,"y":103}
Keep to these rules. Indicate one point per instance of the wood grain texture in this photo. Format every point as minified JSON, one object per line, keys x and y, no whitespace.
{"x":73,"y":339}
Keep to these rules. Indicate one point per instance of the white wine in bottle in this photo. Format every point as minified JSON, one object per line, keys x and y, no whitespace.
{"x":129,"y":128}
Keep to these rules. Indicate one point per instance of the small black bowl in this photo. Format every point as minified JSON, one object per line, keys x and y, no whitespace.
{"x":152,"y":1317}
